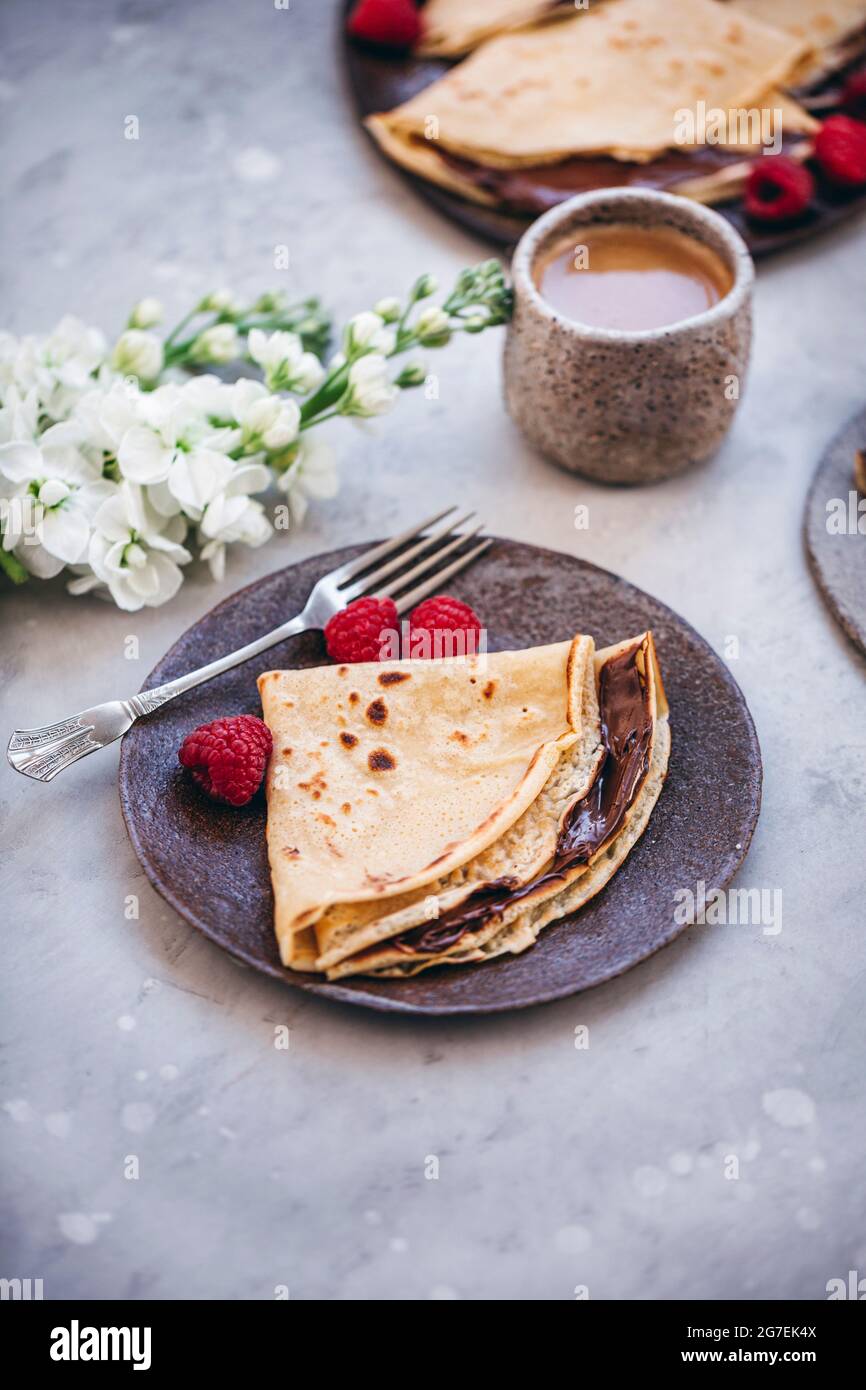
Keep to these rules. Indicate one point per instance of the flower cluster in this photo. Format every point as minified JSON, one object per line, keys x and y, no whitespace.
{"x":121,"y":464}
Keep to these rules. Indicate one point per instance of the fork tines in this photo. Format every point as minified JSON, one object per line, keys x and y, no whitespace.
{"x":395,"y":578}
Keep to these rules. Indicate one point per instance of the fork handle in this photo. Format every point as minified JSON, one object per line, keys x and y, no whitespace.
{"x":160,"y":694}
{"x":43,"y":753}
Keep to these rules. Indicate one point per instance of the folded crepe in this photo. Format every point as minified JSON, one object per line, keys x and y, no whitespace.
{"x":387,"y":776}
{"x":826,"y":26}
{"x":517,"y":855}
{"x":607,"y":84}
{"x":451,"y":28}
{"x":592,"y":811}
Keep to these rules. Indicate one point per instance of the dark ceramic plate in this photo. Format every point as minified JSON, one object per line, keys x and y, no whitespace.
{"x":381,"y":80}
{"x":210,"y":862}
{"x":838,"y":561}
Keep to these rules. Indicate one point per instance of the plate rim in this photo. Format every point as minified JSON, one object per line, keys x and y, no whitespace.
{"x":855,"y":634}
{"x":339,"y":993}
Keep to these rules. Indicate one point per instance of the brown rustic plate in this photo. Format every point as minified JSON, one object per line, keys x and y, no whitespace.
{"x":380,"y":81}
{"x":838,"y":562}
{"x":210,"y":862}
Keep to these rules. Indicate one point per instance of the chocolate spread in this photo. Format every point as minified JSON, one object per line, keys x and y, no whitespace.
{"x":539,"y":187}
{"x":626,"y":732}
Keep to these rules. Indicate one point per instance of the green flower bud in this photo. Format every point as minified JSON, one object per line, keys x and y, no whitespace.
{"x":413,"y":374}
{"x":219,"y":302}
{"x":388,"y":309}
{"x":427,"y":285}
{"x":433,"y":327}
{"x":268,"y":303}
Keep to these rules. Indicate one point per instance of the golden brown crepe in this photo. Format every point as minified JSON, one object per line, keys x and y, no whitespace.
{"x":824,"y":25}
{"x":516,"y":925}
{"x":387,"y":776}
{"x":520,"y":853}
{"x":608,"y":82}
{"x":454,"y":27}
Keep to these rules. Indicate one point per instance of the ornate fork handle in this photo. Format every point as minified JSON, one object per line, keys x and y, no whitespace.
{"x":42,"y":753}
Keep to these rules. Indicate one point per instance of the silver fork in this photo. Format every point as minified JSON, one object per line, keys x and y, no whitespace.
{"x":42,"y":753}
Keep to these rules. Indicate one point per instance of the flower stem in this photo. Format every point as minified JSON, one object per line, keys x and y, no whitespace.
{"x":13,"y":567}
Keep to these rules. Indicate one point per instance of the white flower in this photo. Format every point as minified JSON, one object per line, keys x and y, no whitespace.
{"x":270,"y":423}
{"x":49,"y":511}
{"x":60,"y":366}
{"x":19,"y":415}
{"x":313,"y":474}
{"x":368,"y":332}
{"x":200,"y":478}
{"x":102,"y":416}
{"x":137,"y":353}
{"x":210,"y":418}
{"x":134,"y":552}
{"x":285,"y":364}
{"x":218,"y":344}
{"x":220,"y":500}
{"x":146,"y":314}
{"x":370,"y":391}
{"x":148,"y":449}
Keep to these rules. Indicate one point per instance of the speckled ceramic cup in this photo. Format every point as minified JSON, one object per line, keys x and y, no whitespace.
{"x":618,"y":406}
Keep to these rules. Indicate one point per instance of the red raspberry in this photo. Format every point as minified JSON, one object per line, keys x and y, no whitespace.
{"x":840,"y":149}
{"x":854,"y":95}
{"x":436,"y":616}
{"x":354,"y":634}
{"x":228,"y":757}
{"x":392,"y":23}
{"x":778,"y":189}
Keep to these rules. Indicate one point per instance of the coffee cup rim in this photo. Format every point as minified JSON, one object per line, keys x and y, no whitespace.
{"x":740,"y":262}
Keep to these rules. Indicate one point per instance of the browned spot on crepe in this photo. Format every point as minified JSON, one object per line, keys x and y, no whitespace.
{"x":380,"y":760}
{"x":354,"y":697}
{"x":488,"y":690}
{"x":377,"y":712}
{"x":348,"y":740}
{"x":316,"y":785}
{"x":394,"y":677}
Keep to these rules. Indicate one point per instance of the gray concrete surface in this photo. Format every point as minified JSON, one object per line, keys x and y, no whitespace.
{"x":610,"y":1167}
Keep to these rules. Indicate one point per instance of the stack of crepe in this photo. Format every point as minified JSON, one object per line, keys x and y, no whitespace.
{"x":440,"y":812}
{"x":546,"y":105}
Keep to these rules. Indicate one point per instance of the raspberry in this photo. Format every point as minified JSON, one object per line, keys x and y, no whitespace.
{"x":228,"y":757}
{"x":354,"y":634}
{"x":778,"y":189}
{"x":840,"y":149}
{"x":392,"y":23}
{"x":854,"y":95}
{"x":437,"y":616}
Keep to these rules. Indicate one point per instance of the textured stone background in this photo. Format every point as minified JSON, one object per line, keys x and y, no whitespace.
{"x":558,"y":1167}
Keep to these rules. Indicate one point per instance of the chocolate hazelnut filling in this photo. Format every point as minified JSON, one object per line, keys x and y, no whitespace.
{"x":626,"y":731}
